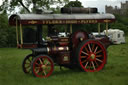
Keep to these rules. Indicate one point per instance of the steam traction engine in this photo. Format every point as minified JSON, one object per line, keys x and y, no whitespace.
{"x":74,"y":50}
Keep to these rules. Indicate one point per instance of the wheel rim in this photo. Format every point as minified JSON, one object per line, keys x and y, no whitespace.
{"x":92,"y":56}
{"x":27,"y":64}
{"x":43,"y":66}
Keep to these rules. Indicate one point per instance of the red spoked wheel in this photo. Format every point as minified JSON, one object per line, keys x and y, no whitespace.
{"x":42,"y":66}
{"x":91,"y":56}
{"x":26,"y":65}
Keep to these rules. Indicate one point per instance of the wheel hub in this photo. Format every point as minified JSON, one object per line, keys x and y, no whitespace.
{"x":92,"y":56}
{"x":43,"y":66}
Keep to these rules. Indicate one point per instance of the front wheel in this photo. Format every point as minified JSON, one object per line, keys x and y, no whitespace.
{"x":91,"y":56}
{"x":42,"y":66}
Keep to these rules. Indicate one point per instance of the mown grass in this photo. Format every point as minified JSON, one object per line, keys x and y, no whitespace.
{"x":114,"y":73}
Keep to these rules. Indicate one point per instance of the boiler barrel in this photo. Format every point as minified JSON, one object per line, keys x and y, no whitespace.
{"x":50,"y":50}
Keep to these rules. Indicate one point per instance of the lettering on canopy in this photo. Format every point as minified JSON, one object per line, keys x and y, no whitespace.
{"x":62,"y":21}
{"x":92,"y":21}
{"x":32,"y":22}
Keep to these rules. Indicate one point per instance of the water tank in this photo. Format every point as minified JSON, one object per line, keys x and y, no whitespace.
{"x":79,"y":10}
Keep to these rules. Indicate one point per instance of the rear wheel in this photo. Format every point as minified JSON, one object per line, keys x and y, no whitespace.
{"x":91,"y":56}
{"x":42,"y":66}
{"x":26,"y":65}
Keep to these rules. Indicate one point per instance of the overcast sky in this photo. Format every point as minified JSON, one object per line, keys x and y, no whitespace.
{"x":100,"y":4}
{"x":0,"y":2}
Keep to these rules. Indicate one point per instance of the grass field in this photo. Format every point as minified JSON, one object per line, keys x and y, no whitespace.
{"x":114,"y":73}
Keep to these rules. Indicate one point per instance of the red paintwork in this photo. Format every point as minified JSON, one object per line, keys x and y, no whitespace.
{"x":76,"y":37}
{"x":55,"y":49}
{"x":66,"y":21}
{"x":37,"y":64}
{"x":63,"y":48}
{"x":105,"y":40}
{"x":27,"y":46}
{"x":88,"y":56}
{"x":60,"y":58}
{"x":63,"y":43}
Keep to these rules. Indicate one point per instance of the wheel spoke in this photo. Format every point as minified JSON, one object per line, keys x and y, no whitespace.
{"x":93,"y":65}
{"x":40,"y":61}
{"x":99,"y":60}
{"x":84,"y":61}
{"x":27,"y":63}
{"x":93,"y":47}
{"x":84,"y":53}
{"x":37,"y":67}
{"x":86,"y":64}
{"x":48,"y":69}
{"x":96,"y":49}
{"x":90,"y":65}
{"x":89,"y":48}
{"x":83,"y":56}
{"x":29,"y":60}
{"x":86,"y":50}
{"x":46,"y":63}
{"x":96,"y":63}
{"x":37,"y":64}
{"x":29,"y":70}
{"x":98,"y":55}
{"x":45,"y":60}
{"x":37,"y":70}
{"x":27,"y":66}
{"x":44,"y":72}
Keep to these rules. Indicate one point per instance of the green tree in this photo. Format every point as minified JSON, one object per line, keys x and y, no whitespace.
{"x":30,"y":5}
{"x":7,"y":33}
{"x":74,"y":4}
{"x":3,"y":33}
{"x":121,"y":23}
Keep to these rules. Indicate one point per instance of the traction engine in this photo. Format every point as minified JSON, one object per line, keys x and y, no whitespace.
{"x":77,"y":49}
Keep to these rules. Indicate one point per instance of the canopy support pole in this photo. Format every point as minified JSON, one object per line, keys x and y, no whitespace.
{"x":66,"y":30}
{"x":106,"y":28}
{"x":17,"y":39}
{"x":99,"y":28}
{"x":71,"y":28}
{"x":21,"y":34}
{"x":39,"y":34}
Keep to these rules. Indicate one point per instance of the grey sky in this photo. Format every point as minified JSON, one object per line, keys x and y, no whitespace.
{"x":100,"y":4}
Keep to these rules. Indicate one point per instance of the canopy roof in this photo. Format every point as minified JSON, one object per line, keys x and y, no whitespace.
{"x":34,"y":19}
